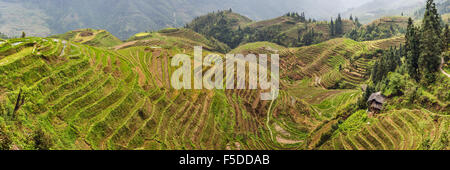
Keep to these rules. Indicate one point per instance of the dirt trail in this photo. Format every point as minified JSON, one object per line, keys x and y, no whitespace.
{"x":287,"y":141}
{"x":442,"y":65}
{"x":285,"y":133}
{"x":118,"y":47}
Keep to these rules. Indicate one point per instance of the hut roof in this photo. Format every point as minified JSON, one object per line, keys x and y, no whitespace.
{"x":378,"y":97}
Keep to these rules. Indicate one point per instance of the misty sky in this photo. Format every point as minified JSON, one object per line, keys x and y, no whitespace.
{"x":265,"y":9}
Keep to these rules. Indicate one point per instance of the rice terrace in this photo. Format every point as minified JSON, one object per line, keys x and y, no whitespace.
{"x":352,"y":82}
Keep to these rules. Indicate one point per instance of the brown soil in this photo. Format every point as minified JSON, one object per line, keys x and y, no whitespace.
{"x":86,"y":34}
{"x":141,"y":76}
{"x":127,"y":44}
{"x":287,"y":141}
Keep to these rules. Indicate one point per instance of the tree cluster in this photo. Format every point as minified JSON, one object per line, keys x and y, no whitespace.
{"x":219,"y":26}
{"x":336,"y":27}
{"x":375,"y":32}
{"x":299,"y":17}
{"x":424,"y":46}
{"x":388,"y":62}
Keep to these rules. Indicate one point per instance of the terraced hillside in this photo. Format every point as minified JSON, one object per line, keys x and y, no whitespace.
{"x":259,"y":48}
{"x":382,"y":28}
{"x":72,"y":96}
{"x":58,"y":94}
{"x":96,"y":38}
{"x":337,"y":63}
{"x":174,"y":37}
{"x":397,"y":130}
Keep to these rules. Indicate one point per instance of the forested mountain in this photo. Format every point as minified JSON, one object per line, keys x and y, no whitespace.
{"x":292,"y":29}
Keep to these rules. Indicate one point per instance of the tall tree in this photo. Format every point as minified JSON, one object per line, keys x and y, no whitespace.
{"x":338,"y":25}
{"x":412,"y":50}
{"x":332,"y":27}
{"x":388,"y":62}
{"x":430,"y":43}
{"x":358,"y":24}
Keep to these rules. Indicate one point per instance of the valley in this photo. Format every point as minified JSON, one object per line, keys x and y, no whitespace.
{"x":89,"y":90}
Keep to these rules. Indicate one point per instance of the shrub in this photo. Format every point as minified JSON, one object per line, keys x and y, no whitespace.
{"x":42,"y":141}
{"x":395,"y":85}
{"x":5,"y":141}
{"x":355,"y":122}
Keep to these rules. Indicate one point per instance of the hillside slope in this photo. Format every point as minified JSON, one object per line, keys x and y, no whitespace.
{"x":65,"y":95}
{"x":97,"y":38}
{"x":175,"y":37}
{"x":57,"y":94}
{"x":291,"y":30}
{"x":382,"y":28}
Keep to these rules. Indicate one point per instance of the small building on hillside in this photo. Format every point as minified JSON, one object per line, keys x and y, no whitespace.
{"x":375,"y":102}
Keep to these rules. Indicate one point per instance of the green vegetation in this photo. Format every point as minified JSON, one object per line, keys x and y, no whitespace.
{"x":291,"y":30}
{"x":224,"y":26}
{"x":174,"y":37}
{"x":417,"y":93}
{"x":380,"y":29}
{"x":96,"y":38}
{"x":86,"y":89}
{"x":355,"y":122}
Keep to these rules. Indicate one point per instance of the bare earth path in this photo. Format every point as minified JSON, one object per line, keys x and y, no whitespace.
{"x":442,"y":70}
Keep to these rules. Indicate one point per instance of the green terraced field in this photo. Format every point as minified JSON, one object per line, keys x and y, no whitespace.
{"x":85,"y":97}
{"x":337,"y":63}
{"x":396,"y":130}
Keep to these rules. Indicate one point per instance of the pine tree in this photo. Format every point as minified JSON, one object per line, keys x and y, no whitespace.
{"x":412,"y":51}
{"x":302,"y":17}
{"x":357,"y":22}
{"x":429,"y":59}
{"x":338,"y":25}
{"x":332,"y":32}
{"x":23,"y":35}
{"x":388,"y":62}
{"x":351,"y":17}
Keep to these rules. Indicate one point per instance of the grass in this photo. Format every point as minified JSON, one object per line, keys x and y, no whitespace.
{"x":398,"y":129}
{"x":98,"y":98}
{"x":176,"y":37}
{"x":333,"y":104}
{"x":87,"y":102}
{"x":97,"y":38}
{"x":142,"y":34}
{"x":257,"y":47}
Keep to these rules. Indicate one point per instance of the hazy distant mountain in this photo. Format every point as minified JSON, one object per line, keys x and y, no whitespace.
{"x":124,"y":18}
{"x":379,"y":8}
